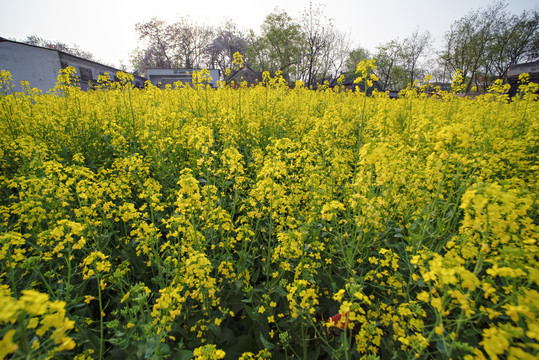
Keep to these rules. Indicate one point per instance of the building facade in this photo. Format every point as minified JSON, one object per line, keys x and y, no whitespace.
{"x":40,"y":66}
{"x":163,"y":77}
{"x":530,"y":68}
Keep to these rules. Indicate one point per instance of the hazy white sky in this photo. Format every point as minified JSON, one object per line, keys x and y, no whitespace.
{"x":106,"y":28}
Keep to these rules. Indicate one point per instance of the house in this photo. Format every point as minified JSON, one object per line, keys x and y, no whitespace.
{"x":246,"y":73}
{"x":444,"y":86}
{"x":40,"y":66}
{"x":349,"y":84}
{"x":170,"y":76}
{"x":514,"y":71}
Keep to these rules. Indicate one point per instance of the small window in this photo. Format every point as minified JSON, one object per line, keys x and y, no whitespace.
{"x":85,"y":74}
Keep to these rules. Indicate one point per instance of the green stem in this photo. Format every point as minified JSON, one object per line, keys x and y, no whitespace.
{"x":304,"y":343}
{"x":100,"y":318}
{"x":346,"y":346}
{"x":12,"y":277}
{"x":68,"y":283}
{"x":44,"y":281}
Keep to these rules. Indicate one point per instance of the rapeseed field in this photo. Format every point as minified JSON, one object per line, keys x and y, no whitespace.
{"x":268,"y":222}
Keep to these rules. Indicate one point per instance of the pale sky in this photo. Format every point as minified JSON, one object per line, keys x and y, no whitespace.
{"x":106,"y":28}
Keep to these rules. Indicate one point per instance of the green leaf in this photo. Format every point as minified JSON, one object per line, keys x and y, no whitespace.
{"x":314,"y":354}
{"x":184,"y":355}
{"x":279,"y":290}
{"x":268,"y":345}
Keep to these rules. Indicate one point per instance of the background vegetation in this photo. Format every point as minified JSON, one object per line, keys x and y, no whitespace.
{"x":310,"y":47}
{"x":482,"y":44}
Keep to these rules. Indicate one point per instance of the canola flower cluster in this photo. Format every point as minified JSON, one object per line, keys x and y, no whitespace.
{"x":268,"y":222}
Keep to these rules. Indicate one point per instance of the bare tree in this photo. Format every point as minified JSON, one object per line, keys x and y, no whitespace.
{"x":57,"y":45}
{"x":158,"y":37}
{"x":182,"y":44}
{"x":467,"y":42}
{"x":316,"y":44}
{"x":515,"y":39}
{"x":388,"y":69}
{"x":339,"y":54}
{"x":324,"y":50}
{"x":190,"y":42}
{"x":228,"y":40}
{"x":411,"y":49}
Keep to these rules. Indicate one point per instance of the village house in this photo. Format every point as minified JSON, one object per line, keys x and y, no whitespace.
{"x":162,"y":77}
{"x":514,"y":71}
{"x":245,"y":74}
{"x":40,"y":66}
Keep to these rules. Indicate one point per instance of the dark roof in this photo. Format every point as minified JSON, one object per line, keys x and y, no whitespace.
{"x":523,"y":67}
{"x":246,"y":67}
{"x":21,"y":43}
{"x":348,"y":82}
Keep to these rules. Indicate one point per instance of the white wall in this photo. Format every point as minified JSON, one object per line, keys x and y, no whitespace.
{"x":169,"y":76}
{"x":38,"y":66}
